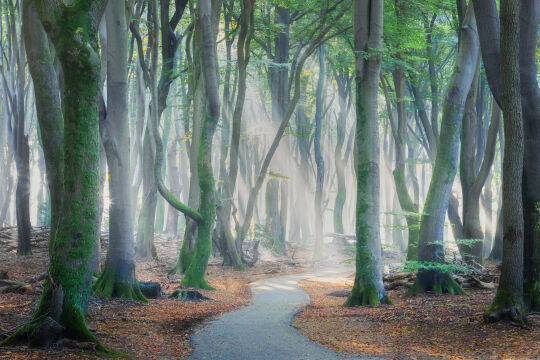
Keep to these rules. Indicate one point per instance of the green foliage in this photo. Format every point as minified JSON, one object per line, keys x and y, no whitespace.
{"x":415,"y":266}
{"x":468,"y":242}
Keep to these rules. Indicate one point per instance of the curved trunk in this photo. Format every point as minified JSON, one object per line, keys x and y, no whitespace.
{"x":430,"y":248}
{"x":48,"y":107}
{"x":195,"y":273}
{"x":472,"y":185}
{"x":190,"y":233}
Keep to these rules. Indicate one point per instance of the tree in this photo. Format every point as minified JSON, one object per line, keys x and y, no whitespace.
{"x":73,"y":30}
{"x":205,"y":215}
{"x":231,"y":254}
{"x":430,"y":249}
{"x":317,"y":34}
{"x":14,"y":86}
{"x":508,"y":302}
{"x":319,"y":183}
{"x":343,"y":78}
{"x":368,"y":286}
{"x":118,"y":276}
{"x":48,"y":107}
{"x":490,"y":34}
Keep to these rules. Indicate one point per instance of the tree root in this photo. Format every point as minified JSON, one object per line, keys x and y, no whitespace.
{"x":196,"y":282}
{"x":506,"y":306}
{"x":108,"y":286}
{"x":443,"y":283}
{"x":44,"y":331}
{"x":369,"y":296}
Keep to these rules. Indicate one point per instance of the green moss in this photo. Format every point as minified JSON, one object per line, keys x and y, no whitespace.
{"x":507,"y":305}
{"x":442,"y":283}
{"x":365,"y":291}
{"x":195,"y":273}
{"x":77,"y":232}
{"x":368,"y":296}
{"x":108,"y":285}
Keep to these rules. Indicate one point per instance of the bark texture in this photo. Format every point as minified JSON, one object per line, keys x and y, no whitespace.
{"x":368,"y":286}
{"x":430,"y":249}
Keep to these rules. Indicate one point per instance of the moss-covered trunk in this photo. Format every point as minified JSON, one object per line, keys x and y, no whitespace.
{"x":190,"y":232}
{"x":73,"y":30}
{"x":196,"y":272}
{"x":368,"y":286}
{"x":430,"y":248}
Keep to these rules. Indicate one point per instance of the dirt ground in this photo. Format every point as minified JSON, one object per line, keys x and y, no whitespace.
{"x":441,"y":326}
{"x":159,"y":329}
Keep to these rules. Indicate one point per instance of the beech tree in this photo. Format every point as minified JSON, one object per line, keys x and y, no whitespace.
{"x":490,"y":37}
{"x":73,"y":30}
{"x":368,"y":286}
{"x":508,"y":302}
{"x":430,"y":248}
{"x":118,"y":276}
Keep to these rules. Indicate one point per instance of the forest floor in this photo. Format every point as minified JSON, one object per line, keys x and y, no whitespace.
{"x":430,"y":326}
{"x":159,"y":329}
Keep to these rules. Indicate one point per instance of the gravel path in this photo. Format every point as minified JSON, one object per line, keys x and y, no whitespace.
{"x":262,"y":329}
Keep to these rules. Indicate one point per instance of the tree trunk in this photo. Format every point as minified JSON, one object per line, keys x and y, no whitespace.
{"x":174,"y":181}
{"x":508,"y":302}
{"x":430,"y":249}
{"x":489,"y":31}
{"x":368,"y":286}
{"x":195,"y":273}
{"x":48,"y":107}
{"x":472,"y":184}
{"x":66,"y":291}
{"x":118,"y":276}
{"x":319,"y":161}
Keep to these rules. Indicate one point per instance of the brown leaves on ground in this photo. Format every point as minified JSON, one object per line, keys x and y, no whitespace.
{"x":442,"y":326}
{"x":157,"y":330}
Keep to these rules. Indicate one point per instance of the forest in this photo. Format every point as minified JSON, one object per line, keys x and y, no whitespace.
{"x":269,"y":179}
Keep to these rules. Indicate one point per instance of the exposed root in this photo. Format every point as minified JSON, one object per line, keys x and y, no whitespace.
{"x":188,"y":294}
{"x":369,"y":296}
{"x":437,"y":282}
{"x":200,"y":283}
{"x":110,"y":286}
{"x":506,"y":306}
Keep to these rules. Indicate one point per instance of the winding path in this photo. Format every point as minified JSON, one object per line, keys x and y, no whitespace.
{"x":262,"y":330}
